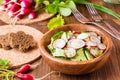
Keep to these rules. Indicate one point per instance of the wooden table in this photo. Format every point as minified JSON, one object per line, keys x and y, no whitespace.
{"x":110,"y":71}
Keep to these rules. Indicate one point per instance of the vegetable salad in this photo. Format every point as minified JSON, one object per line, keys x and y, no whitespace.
{"x":76,"y":46}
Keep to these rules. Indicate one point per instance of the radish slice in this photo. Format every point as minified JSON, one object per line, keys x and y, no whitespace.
{"x":76,"y":32}
{"x":77,"y":43}
{"x":70,"y":52}
{"x":101,"y":46}
{"x":93,"y":34}
{"x":91,"y":43}
{"x":95,"y":39}
{"x":83,"y":36}
{"x":96,"y":52}
{"x":59,"y":43}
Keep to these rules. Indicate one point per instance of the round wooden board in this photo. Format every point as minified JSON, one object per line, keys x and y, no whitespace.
{"x":16,"y":57}
{"x":41,"y":16}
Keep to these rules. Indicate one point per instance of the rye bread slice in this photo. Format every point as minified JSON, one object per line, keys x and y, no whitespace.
{"x":16,"y":57}
{"x":42,"y":15}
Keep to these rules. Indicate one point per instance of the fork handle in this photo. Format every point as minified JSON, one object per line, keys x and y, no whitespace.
{"x":112,"y":28}
{"x":106,"y":29}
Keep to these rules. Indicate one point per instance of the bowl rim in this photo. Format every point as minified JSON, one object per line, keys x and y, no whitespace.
{"x":46,"y":53}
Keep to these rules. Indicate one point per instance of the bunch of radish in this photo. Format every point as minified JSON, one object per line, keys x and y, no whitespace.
{"x":71,"y":41}
{"x":19,"y":8}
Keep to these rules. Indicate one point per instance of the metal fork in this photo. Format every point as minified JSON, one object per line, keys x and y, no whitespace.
{"x":95,"y":16}
{"x":84,"y":20}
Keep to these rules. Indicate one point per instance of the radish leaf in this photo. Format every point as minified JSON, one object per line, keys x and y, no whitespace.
{"x":1,"y":1}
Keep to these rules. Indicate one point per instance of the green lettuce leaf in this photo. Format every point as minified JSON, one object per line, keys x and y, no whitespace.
{"x":55,"y":22}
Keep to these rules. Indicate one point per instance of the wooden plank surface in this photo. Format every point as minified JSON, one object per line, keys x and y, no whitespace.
{"x":110,"y":71}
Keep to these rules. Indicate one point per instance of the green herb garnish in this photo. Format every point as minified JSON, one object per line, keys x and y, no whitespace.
{"x":1,"y":1}
{"x":5,"y":73}
{"x":99,"y":7}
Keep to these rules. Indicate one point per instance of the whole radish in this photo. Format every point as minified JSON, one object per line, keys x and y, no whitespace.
{"x":32,"y":15}
{"x":26,"y":3}
{"x":24,"y":68}
{"x":25,"y":11}
{"x":24,"y":76}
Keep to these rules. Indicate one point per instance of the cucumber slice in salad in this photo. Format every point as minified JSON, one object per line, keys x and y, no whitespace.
{"x":59,"y":53}
{"x":80,"y":56}
{"x":88,"y":55}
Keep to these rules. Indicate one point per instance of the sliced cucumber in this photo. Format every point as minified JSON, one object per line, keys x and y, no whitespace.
{"x":64,"y":36}
{"x":59,"y":43}
{"x":88,"y":55}
{"x":58,"y":53}
{"x":77,"y":43}
{"x":70,"y":52}
{"x":80,"y":56}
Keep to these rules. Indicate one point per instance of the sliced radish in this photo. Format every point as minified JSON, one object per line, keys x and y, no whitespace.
{"x":59,"y":43}
{"x":95,"y":39}
{"x":91,"y":43}
{"x":76,"y":32}
{"x":70,"y":52}
{"x":95,"y":52}
{"x":83,"y":36}
{"x":101,"y":46}
{"x":76,"y":43}
{"x":93,"y":34}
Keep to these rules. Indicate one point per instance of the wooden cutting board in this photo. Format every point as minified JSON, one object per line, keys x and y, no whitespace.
{"x":16,"y":57}
{"x":41,"y":15}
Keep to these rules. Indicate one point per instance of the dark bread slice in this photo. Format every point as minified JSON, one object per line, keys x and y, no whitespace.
{"x":4,"y":42}
{"x":18,"y":58}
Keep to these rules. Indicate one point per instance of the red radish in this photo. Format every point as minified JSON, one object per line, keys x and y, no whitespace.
{"x":6,"y":1}
{"x":95,"y":52}
{"x":76,"y":32}
{"x":70,"y":52}
{"x":2,"y":8}
{"x":19,"y":16}
{"x":13,"y":9}
{"x":91,"y":43}
{"x":25,"y":11}
{"x":76,"y":43}
{"x":93,"y":34}
{"x":24,"y":68}
{"x":10,"y":4}
{"x":26,"y":3}
{"x":83,"y":36}
{"x":24,"y":76}
{"x":59,"y":43}
{"x":95,"y":39}
{"x":101,"y":46}
{"x":32,"y":15}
